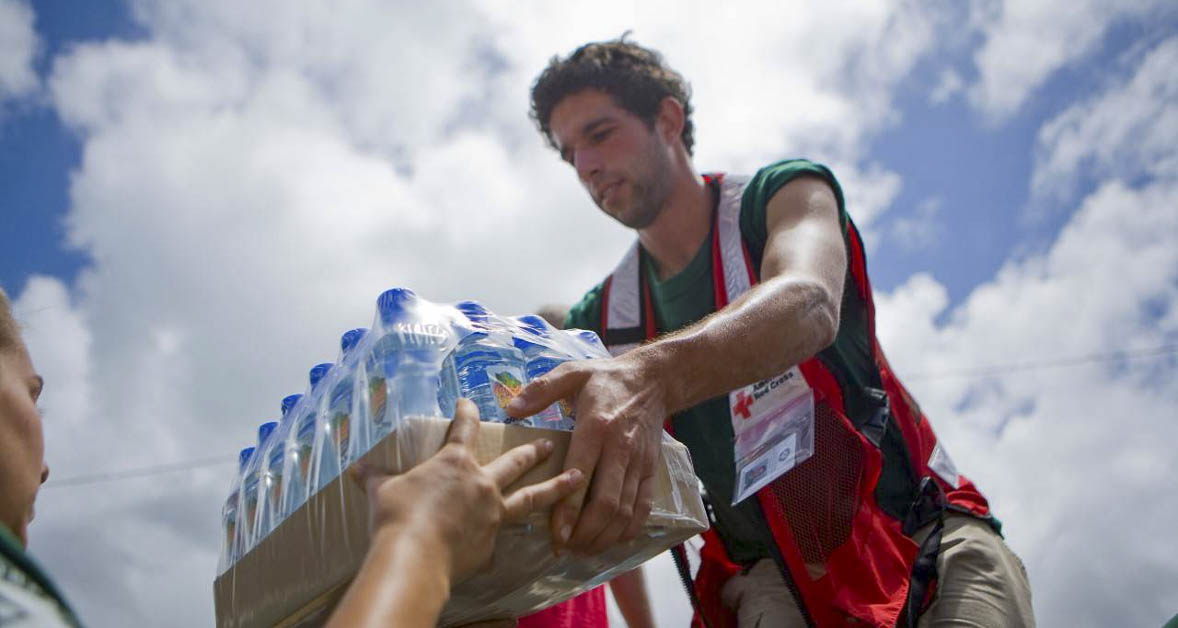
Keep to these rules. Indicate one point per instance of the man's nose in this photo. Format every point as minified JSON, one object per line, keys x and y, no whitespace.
{"x":44,"y":472}
{"x":587,"y":164}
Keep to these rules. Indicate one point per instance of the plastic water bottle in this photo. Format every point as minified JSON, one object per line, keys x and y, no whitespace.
{"x":539,"y":344}
{"x":342,"y":436}
{"x":273,"y":467}
{"x":230,"y":512}
{"x":588,"y":342}
{"x":405,"y":361}
{"x":487,"y":366}
{"x":251,"y":484}
{"x":300,"y":445}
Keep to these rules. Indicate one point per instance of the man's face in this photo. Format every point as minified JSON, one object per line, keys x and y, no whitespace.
{"x":22,"y":447}
{"x":621,"y":161}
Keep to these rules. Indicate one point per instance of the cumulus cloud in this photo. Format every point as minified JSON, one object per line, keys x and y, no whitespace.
{"x":1130,"y":132}
{"x":1072,"y":457}
{"x":18,"y":48}
{"x":253,"y":175}
{"x":1027,"y":42}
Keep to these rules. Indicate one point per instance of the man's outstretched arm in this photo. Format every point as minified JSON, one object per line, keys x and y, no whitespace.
{"x":622,"y":402}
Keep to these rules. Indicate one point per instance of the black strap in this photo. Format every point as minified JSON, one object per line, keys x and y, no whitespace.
{"x":928,"y":508}
{"x":679,"y":553}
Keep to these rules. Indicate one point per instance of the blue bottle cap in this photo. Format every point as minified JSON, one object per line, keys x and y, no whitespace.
{"x":289,"y":402}
{"x":352,"y":338}
{"x":244,"y":458}
{"x":318,"y":372}
{"x":392,"y":303}
{"x":264,"y":431}
{"x":473,"y":310}
{"x":534,"y":324}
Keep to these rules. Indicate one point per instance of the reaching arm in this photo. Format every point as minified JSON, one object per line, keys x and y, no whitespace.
{"x":790,"y":316}
{"x":629,"y":590}
{"x":436,"y":524}
{"x":621,"y":403}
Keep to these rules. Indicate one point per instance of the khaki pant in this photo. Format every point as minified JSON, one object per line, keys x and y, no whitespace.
{"x":982,"y":584}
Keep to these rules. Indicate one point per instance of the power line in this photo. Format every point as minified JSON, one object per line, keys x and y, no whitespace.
{"x":994,"y":370}
{"x":160,"y":469}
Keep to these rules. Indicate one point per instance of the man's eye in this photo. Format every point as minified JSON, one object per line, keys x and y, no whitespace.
{"x":600,"y":136}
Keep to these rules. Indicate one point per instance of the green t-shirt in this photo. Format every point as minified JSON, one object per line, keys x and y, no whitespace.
{"x":28,"y":598}
{"x":706,"y":428}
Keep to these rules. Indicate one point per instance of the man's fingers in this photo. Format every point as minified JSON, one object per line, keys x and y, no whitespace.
{"x":604,"y":497}
{"x":562,"y":382}
{"x":584,"y":452}
{"x":618,"y":524}
{"x":641,"y":508}
{"x":529,"y":499}
{"x":465,"y":426}
{"x":512,"y":464}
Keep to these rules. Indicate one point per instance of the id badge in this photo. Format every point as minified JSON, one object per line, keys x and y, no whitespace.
{"x":773,"y":424}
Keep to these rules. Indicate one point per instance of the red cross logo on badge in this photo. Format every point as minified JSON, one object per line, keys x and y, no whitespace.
{"x":742,"y":405}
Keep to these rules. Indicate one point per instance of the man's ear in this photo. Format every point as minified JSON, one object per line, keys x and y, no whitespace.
{"x":670,"y":119}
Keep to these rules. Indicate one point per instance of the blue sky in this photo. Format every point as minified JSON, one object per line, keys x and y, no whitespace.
{"x":257,"y":172}
{"x":945,"y":151}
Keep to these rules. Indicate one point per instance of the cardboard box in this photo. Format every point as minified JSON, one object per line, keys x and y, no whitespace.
{"x":297,"y":574}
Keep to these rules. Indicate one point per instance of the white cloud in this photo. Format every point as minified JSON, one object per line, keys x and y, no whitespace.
{"x":1073,"y":458}
{"x":919,"y":229}
{"x":18,"y":48}
{"x":948,"y":85}
{"x":1129,"y":132}
{"x":1027,"y":42}
{"x":254,"y":174}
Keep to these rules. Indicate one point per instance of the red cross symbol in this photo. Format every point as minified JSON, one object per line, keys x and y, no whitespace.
{"x":743,"y":403}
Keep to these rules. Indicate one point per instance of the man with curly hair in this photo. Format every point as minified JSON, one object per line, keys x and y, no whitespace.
{"x":742,"y":320}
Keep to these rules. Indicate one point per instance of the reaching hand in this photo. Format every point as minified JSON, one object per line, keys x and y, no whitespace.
{"x":620,"y":411}
{"x":457,"y":503}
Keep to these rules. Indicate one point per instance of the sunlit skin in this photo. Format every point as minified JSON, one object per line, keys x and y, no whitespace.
{"x":22,"y":444}
{"x":638,"y":173}
{"x":641,"y":174}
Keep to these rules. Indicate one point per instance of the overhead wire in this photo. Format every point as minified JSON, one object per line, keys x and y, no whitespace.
{"x":993,"y":370}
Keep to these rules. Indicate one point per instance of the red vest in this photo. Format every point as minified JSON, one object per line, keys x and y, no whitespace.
{"x":847,"y":560}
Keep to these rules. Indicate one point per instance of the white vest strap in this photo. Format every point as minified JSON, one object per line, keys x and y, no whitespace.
{"x":736,"y":270}
{"x":625,"y":302}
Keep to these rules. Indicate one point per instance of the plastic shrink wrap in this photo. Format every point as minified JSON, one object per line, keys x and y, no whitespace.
{"x":296,"y":529}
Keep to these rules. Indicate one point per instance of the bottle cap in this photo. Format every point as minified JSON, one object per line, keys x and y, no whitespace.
{"x":352,"y":338}
{"x":264,"y":431}
{"x":318,"y":372}
{"x":391,"y":304}
{"x":244,"y":458}
{"x":289,"y":402}
{"x":534,"y":324}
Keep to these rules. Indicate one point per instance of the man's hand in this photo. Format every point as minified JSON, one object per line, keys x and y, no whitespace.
{"x":620,"y":409}
{"x":452,"y":503}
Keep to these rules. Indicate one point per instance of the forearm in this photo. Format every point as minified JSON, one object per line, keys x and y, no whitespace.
{"x":403,"y":582}
{"x":629,"y":590}
{"x":772,"y":327}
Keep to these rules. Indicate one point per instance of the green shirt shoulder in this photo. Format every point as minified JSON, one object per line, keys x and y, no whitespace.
{"x":586,"y":314}
{"x":765,"y":183}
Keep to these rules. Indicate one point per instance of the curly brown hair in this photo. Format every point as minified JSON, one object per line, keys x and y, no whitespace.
{"x":637,"y":78}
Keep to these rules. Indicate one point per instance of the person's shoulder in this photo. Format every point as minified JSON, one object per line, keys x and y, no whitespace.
{"x":586,"y":313}
{"x":766,"y":182}
{"x":29,"y":599}
{"x":772,"y":177}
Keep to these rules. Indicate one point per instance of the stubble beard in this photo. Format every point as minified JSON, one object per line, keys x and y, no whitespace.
{"x":650,"y":191}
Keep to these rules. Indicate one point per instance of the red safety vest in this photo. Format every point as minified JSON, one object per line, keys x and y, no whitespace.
{"x":847,"y":560}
